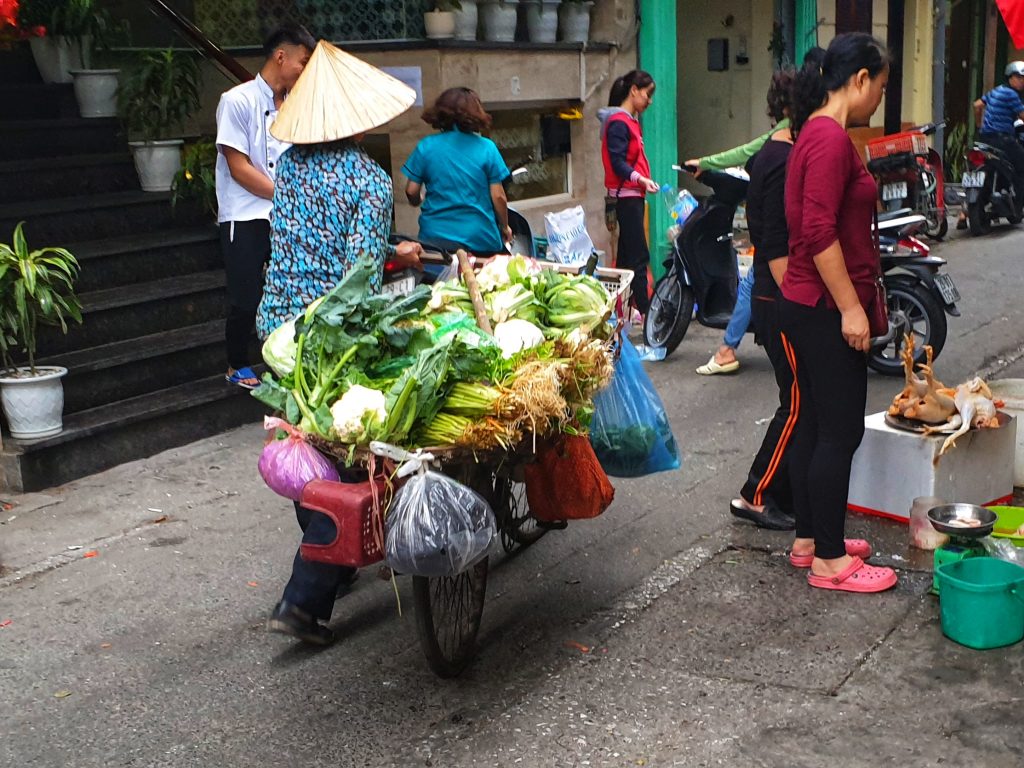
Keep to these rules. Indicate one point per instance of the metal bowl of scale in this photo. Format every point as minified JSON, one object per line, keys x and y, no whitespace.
{"x":965,"y":520}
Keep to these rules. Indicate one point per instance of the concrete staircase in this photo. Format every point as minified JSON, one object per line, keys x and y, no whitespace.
{"x":146,"y":365}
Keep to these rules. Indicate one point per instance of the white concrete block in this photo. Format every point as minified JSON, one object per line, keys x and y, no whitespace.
{"x":892,"y":467}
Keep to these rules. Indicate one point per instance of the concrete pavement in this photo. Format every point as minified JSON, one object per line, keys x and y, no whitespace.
{"x":660,"y":634}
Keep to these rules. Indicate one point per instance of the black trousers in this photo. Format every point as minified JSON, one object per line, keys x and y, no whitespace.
{"x":831,"y":395}
{"x":769,"y":473}
{"x":314,"y":586}
{"x":246,"y":249}
{"x":633,"y":252}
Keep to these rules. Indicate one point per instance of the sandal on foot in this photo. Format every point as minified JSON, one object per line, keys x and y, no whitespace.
{"x":854,"y":548}
{"x":241,"y":376}
{"x":858,"y":577}
{"x":712,"y":366}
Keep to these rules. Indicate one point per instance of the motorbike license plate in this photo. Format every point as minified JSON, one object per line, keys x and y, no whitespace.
{"x":944,"y":283}
{"x":897,"y":190}
{"x":399,"y":287}
{"x":973,"y":179}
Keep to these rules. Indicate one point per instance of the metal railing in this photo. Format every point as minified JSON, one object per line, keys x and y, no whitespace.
{"x":229,"y":64}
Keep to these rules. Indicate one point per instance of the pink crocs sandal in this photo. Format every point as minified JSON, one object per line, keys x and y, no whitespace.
{"x":859,"y":577}
{"x":854,"y":548}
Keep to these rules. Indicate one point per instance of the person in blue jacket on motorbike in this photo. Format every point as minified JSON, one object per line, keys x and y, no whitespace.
{"x":997,"y":111}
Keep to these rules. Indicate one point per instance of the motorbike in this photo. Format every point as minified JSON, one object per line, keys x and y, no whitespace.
{"x":988,"y":184}
{"x":919,"y":293}
{"x":702,"y":271}
{"x":910,"y":175}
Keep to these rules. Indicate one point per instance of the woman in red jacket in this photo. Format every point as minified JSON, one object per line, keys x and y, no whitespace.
{"x":828,"y":287}
{"x":627,"y":174}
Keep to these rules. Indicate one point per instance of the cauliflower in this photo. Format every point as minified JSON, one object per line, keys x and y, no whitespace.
{"x":516,"y":335}
{"x":494,"y":274}
{"x":359,"y":414}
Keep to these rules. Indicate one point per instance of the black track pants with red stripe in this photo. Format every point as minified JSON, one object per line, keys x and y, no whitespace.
{"x":769,"y":474}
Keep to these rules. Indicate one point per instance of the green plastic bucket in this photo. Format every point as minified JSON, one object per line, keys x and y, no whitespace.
{"x":981,"y":602}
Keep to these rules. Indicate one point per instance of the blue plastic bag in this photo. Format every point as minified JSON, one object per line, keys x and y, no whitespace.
{"x":630,"y":432}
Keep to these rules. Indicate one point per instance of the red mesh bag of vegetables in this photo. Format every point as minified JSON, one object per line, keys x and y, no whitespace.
{"x":567,"y":481}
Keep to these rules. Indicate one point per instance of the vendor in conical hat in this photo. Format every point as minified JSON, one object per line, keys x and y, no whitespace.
{"x":332,"y":203}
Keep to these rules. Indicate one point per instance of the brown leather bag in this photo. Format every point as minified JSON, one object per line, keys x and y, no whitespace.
{"x":567,"y":481}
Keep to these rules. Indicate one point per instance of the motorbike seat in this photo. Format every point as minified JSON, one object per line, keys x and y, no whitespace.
{"x":897,"y":214}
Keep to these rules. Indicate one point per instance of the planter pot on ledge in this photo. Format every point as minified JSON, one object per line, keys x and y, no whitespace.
{"x":33,"y":405}
{"x":576,"y":22}
{"x":499,"y":20}
{"x":542,"y":20}
{"x":157,"y":162}
{"x":55,"y":57}
{"x":96,"y":92}
{"x":465,"y":21}
{"x":440,"y":25}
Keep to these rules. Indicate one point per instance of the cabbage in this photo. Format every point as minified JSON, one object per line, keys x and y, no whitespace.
{"x":280,"y":348}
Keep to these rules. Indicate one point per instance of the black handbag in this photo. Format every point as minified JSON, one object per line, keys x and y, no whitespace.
{"x":878,"y":309}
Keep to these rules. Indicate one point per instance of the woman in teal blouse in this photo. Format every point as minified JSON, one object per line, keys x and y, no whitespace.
{"x":462,"y":171}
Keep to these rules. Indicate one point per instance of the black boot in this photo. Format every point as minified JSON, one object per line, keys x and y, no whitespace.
{"x":291,"y":620}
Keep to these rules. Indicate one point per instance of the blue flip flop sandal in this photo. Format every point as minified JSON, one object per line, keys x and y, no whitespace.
{"x":239,"y":377}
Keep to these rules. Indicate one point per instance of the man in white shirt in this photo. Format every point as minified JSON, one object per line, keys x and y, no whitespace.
{"x":246,"y":156}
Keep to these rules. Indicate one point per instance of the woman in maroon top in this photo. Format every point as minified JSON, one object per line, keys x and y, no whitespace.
{"x":827,"y":288}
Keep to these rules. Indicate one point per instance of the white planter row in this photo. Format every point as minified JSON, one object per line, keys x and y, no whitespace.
{"x":544,"y":19}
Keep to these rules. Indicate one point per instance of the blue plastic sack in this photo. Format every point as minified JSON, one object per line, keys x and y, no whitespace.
{"x":630,"y":432}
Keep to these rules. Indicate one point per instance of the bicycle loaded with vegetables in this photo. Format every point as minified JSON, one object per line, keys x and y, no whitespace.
{"x":829,"y":288}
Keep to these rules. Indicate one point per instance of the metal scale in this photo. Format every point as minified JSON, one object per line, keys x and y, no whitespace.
{"x":964,"y":539}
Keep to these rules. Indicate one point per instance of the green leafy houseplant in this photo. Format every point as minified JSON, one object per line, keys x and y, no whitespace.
{"x":956,"y":151}
{"x":158,"y":96}
{"x":196,"y":180}
{"x":36,"y":288}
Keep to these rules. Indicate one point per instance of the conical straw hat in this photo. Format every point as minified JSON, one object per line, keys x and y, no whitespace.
{"x":338,"y":96}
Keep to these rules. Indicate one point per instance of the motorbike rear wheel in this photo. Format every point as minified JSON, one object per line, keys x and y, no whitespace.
{"x":978,"y":216}
{"x":669,"y":316}
{"x":912,"y":309}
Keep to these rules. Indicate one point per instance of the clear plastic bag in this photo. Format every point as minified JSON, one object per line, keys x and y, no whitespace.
{"x":437,"y":527}
{"x":287,"y":465}
{"x":1003,"y":549}
{"x":630,"y":432}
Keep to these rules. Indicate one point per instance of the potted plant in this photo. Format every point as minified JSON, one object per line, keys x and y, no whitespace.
{"x":155,"y":99}
{"x":576,"y":20}
{"x":499,"y":20}
{"x":196,"y":180}
{"x":465,"y":19}
{"x":93,"y":29}
{"x":440,"y":23}
{"x":36,"y":288}
{"x":542,"y":20}
{"x":12,"y":29}
{"x":55,"y":55}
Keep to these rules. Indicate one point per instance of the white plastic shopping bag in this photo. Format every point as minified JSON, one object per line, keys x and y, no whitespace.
{"x":568,"y":239}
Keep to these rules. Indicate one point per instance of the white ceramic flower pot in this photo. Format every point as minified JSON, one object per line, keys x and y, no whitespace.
{"x":499,"y":20}
{"x":440,"y":25}
{"x":542,"y":20}
{"x":156,"y":163}
{"x":96,"y":92}
{"x":465,"y":21}
{"x":33,"y":405}
{"x":576,"y":22}
{"x":55,"y":57}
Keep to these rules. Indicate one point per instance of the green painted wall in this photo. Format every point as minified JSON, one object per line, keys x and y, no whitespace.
{"x":658,"y":47}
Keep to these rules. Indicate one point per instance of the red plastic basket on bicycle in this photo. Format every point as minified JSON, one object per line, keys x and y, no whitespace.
{"x":913,"y":142}
{"x":351,"y":508}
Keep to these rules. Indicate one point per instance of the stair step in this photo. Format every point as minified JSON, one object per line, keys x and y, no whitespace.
{"x":21,"y":139}
{"x":117,"y":314}
{"x":38,"y":101}
{"x":146,"y":256}
{"x":93,"y":217}
{"x":111,"y":372}
{"x":100,"y":438}
{"x":56,"y":177}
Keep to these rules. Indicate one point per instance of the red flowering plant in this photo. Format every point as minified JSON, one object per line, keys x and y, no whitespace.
{"x":11,"y":31}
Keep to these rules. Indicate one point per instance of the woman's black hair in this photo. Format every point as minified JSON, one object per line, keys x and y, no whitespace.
{"x":780,"y":93}
{"x":622,"y":86}
{"x":824,"y":72}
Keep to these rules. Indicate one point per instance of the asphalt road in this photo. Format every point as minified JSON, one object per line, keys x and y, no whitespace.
{"x":153,"y":652}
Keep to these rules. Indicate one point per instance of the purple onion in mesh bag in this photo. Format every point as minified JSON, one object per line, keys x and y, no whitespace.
{"x":287,"y":465}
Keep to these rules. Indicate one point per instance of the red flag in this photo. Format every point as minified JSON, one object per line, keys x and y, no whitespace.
{"x":1013,"y":15}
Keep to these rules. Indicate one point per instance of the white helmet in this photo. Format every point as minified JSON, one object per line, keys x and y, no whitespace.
{"x":1014,"y":68}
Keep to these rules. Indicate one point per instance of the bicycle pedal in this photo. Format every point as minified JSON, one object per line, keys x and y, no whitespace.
{"x":555,"y":525}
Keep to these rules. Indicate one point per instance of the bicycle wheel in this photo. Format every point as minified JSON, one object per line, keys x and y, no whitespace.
{"x":449,"y":608}
{"x":517,"y":527}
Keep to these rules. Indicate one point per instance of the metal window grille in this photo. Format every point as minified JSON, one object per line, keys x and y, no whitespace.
{"x":244,"y":23}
